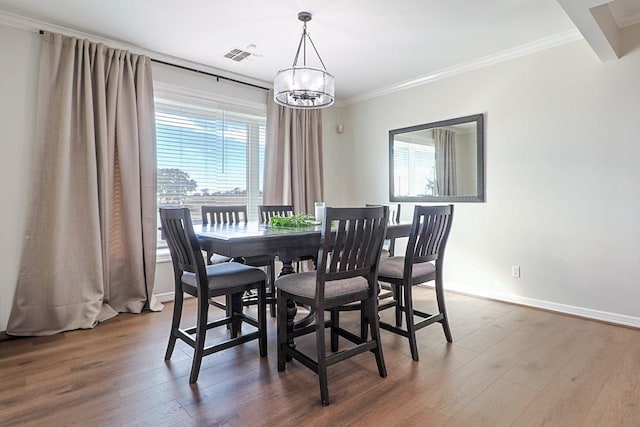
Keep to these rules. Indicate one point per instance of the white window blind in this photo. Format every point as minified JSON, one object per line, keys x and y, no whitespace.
{"x":212,"y":156}
{"x":414,"y":168}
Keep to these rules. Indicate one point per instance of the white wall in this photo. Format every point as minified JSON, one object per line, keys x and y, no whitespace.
{"x":18,"y":79}
{"x":562,"y":179}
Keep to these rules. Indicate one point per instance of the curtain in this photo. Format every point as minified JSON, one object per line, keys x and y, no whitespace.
{"x":90,"y":245}
{"x":445,"y":153}
{"x":293,"y":157}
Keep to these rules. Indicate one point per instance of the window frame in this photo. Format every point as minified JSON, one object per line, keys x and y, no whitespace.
{"x":192,"y":98}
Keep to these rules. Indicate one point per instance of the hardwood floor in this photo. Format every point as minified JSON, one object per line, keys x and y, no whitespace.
{"x":508,"y":365}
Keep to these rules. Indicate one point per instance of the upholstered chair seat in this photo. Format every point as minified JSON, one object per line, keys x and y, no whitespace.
{"x":304,"y":285}
{"x":394,"y":267}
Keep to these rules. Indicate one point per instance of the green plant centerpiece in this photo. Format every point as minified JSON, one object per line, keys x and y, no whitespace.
{"x":298,"y":220}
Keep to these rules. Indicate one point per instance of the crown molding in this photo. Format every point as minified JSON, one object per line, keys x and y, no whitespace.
{"x":34,"y":25}
{"x":29,"y":24}
{"x":502,"y":56}
{"x":622,"y":18}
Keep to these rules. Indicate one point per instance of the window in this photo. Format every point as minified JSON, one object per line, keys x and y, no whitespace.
{"x":414,"y":168}
{"x":209,"y":154}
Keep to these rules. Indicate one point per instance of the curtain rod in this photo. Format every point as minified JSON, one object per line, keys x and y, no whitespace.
{"x":195,"y":70}
{"x":217,"y":76}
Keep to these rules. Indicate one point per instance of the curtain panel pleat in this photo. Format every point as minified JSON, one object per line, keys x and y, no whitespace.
{"x":293,"y":171}
{"x":90,"y":245}
{"x":445,"y":154}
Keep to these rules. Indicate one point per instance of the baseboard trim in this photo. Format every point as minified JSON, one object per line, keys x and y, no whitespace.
{"x":169,"y":296}
{"x":587,"y":313}
{"x":166,"y":296}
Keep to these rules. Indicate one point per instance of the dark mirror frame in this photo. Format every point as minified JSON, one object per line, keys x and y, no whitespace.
{"x":479,"y":196}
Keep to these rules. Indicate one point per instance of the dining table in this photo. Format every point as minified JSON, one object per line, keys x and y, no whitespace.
{"x":249,"y":239}
{"x":256,"y":238}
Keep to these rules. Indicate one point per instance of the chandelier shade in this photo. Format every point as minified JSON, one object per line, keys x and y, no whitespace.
{"x":304,"y":87}
{"x":301,"y":86}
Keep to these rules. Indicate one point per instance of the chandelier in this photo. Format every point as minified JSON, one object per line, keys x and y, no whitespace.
{"x":301,"y":86}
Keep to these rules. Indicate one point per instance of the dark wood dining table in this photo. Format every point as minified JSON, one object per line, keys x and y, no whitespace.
{"x":253,"y":239}
{"x":288,"y":243}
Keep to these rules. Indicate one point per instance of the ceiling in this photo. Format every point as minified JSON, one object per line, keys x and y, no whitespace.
{"x":369,"y":45}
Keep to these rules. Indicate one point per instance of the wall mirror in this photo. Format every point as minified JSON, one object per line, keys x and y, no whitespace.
{"x":438,"y":162}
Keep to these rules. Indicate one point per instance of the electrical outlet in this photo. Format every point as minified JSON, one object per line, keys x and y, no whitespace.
{"x":515,"y":271}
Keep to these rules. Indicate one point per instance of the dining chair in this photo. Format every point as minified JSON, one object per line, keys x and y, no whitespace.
{"x":348,"y":258}
{"x":422,"y":262}
{"x":193,"y":277}
{"x":237,"y":214}
{"x":222,"y":215}
{"x":265,"y":212}
{"x":394,"y":217}
{"x":386,"y":290}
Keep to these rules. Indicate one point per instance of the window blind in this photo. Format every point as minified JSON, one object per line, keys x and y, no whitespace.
{"x":208,"y":156}
{"x":412,"y":177}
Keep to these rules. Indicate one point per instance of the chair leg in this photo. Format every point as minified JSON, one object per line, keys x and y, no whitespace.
{"x":175,"y":323}
{"x":281,"y":306}
{"x":236,"y":311}
{"x":271,"y":271}
{"x":411,"y":327}
{"x":335,"y":323}
{"x":364,"y":322}
{"x":397,"y":296}
{"x":201,"y":334}
{"x":443,"y":309}
{"x":321,"y":357}
{"x":228,"y":309}
{"x":262,"y":319}
{"x":374,"y":324}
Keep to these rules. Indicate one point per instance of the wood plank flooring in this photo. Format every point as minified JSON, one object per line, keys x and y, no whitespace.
{"x":508,"y":366}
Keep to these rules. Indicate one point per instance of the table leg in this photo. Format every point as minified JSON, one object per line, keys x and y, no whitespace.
{"x":292,"y":310}
{"x":287,"y":268}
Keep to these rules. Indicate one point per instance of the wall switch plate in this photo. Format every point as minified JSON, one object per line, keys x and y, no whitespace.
{"x":515,"y":271}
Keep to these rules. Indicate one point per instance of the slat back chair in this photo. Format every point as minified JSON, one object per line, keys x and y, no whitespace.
{"x":224,"y":214}
{"x":386,"y":290}
{"x":191,"y":276}
{"x":394,"y":218}
{"x":237,"y":214}
{"x":351,"y":242}
{"x":422,"y":262}
{"x":394,"y":215}
{"x":265,"y":212}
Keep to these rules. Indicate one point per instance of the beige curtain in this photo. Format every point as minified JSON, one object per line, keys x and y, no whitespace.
{"x":445,"y":152}
{"x":89,"y":249}
{"x":293,"y":157}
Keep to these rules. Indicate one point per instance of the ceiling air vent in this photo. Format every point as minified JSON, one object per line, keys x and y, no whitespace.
{"x":237,"y":55}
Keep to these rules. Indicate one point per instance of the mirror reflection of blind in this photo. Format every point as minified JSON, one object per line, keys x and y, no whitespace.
{"x":414,"y":169}
{"x":209,"y":156}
